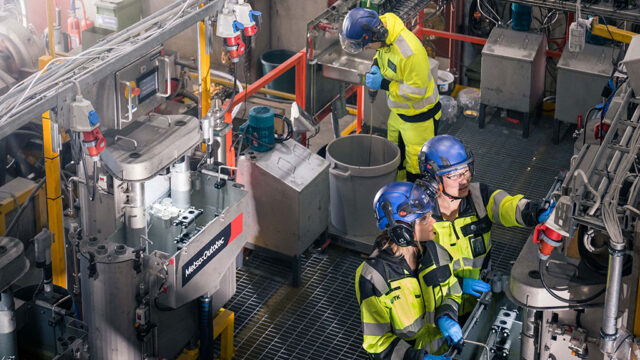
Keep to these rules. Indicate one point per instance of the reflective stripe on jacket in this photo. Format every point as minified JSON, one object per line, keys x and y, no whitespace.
{"x":468,"y":237}
{"x":440,"y":291}
{"x":405,"y":63}
{"x":397,"y":320}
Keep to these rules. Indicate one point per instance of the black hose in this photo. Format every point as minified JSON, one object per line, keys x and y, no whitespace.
{"x":206,"y":316}
{"x":560,"y":298}
{"x":235,"y":89}
{"x":289,"y":134}
{"x":23,"y":207}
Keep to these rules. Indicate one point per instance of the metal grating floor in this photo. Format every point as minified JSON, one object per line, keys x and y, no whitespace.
{"x":321,"y":319}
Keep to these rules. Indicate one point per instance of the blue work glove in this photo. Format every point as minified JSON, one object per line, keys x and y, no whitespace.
{"x":450,"y":329}
{"x":435,"y":357}
{"x":373,"y":78}
{"x":545,"y":215}
{"x":474,"y":287}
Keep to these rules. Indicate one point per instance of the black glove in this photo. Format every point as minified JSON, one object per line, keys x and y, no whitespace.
{"x":530,"y":213}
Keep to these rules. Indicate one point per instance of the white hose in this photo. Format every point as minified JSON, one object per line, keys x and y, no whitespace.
{"x":226,"y":76}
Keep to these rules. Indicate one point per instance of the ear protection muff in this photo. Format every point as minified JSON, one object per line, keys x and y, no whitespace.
{"x":400,"y":234}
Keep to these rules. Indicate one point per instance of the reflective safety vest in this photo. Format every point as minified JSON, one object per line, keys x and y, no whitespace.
{"x":468,"y":237}
{"x":404,"y":62}
{"x":397,"y":313}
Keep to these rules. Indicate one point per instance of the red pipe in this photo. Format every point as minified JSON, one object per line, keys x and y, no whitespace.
{"x":297,"y":59}
{"x":421,"y":31}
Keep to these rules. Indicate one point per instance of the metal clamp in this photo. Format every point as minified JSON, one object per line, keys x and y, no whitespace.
{"x":131,"y":109}
{"x":135,"y":143}
{"x":168,"y":84}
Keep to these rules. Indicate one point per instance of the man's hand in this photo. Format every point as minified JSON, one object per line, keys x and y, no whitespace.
{"x":435,"y":357}
{"x":474,"y":287}
{"x":373,"y":79}
{"x":450,"y":329}
{"x":544,"y":214}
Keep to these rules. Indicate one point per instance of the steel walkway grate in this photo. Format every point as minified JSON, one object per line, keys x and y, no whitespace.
{"x":320,"y":319}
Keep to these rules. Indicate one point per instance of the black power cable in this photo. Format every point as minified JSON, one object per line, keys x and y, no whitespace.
{"x":560,"y":298}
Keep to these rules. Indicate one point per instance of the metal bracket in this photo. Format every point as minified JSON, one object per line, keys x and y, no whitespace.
{"x":168,"y":83}
{"x":130,"y":108}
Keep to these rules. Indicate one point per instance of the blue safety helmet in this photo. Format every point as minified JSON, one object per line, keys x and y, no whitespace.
{"x":360,"y":28}
{"x":408,"y":202}
{"x":444,"y":154}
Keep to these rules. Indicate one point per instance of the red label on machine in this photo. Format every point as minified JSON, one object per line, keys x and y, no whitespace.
{"x":214,"y":247}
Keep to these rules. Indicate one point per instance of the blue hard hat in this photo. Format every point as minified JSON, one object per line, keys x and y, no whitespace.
{"x":408,"y":201}
{"x":358,"y":29}
{"x":443,"y":154}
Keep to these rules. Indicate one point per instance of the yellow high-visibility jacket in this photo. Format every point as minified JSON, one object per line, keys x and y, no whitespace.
{"x":404,"y":64}
{"x":399,"y":307}
{"x":468,"y":237}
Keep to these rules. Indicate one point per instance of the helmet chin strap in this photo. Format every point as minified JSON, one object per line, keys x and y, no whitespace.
{"x":451,"y":197}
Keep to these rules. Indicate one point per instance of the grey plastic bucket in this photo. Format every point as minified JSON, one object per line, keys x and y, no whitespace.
{"x":360,"y":166}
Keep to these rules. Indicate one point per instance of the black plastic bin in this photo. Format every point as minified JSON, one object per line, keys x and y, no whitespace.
{"x":271,"y":60}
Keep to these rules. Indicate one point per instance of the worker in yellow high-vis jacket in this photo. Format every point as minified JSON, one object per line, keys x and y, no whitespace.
{"x":408,"y":296}
{"x":401,"y":68}
{"x":465,"y":212}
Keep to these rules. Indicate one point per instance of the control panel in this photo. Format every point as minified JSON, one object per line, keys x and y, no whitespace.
{"x":143,"y":85}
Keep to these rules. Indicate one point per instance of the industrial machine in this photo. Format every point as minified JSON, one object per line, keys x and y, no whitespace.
{"x":19,"y":50}
{"x":513,"y":68}
{"x":154,"y":235}
{"x":152,"y":240}
{"x":573,"y":290}
{"x":290,"y":174}
{"x":581,"y":78}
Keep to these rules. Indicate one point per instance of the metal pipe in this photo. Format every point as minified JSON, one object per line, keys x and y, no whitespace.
{"x":134,"y":212}
{"x":615,"y":160}
{"x":220,"y":144}
{"x":609,"y":330}
{"x":52,"y":45}
{"x":205,"y":323}
{"x":70,"y":181}
{"x":486,"y":351}
{"x":181,"y":183}
{"x":609,"y":136}
{"x":8,"y":337}
{"x":42,"y":250}
{"x":613,"y":164}
{"x":73,"y":240}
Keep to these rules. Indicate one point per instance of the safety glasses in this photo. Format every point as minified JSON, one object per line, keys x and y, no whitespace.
{"x":459,"y":175}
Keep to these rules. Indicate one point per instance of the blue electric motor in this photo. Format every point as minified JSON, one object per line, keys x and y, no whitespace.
{"x":260,"y":129}
{"x":520,"y":17}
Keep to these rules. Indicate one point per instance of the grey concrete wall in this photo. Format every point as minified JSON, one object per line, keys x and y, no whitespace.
{"x":289,"y":20}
